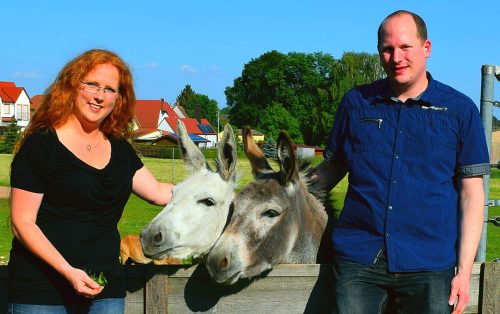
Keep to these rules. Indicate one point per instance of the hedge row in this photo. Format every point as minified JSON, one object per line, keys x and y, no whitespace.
{"x":169,"y":152}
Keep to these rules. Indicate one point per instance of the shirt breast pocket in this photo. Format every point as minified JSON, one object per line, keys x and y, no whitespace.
{"x":432,"y":130}
{"x":370,"y":131}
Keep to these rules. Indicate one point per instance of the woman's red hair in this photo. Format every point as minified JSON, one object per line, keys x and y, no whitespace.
{"x":58,"y":100}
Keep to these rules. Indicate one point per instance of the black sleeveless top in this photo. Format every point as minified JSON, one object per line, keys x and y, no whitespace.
{"x":80,"y":209}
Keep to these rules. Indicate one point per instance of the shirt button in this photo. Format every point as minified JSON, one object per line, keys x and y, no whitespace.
{"x":396,"y":156}
{"x":389,"y":207}
{"x":386,"y":235}
{"x":400,"y":131}
{"x":394,"y":181}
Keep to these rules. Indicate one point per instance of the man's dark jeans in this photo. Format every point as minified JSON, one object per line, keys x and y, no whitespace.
{"x":372,"y":289}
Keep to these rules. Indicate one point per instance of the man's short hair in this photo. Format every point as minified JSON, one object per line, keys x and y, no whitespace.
{"x":419,"y":22}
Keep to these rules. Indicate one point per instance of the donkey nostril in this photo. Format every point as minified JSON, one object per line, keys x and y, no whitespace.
{"x":224,"y":263}
{"x":158,"y":237}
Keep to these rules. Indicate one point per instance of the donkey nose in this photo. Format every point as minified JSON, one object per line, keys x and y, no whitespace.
{"x":224,"y":263}
{"x":158,"y":238}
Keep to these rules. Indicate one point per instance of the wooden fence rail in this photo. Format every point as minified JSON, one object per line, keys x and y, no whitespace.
{"x":286,"y":289}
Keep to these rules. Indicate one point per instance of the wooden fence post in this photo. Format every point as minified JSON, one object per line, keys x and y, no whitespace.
{"x":156,"y":291}
{"x":490,"y":298}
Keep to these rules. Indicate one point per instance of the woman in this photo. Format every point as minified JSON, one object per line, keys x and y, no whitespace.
{"x":71,"y":178}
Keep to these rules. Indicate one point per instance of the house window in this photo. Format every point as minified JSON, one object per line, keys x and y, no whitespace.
{"x":6,"y":109}
{"x":18,"y":112}
{"x":25,"y":112}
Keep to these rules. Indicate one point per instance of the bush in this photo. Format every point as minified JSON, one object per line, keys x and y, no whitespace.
{"x":166,"y":152}
{"x":10,"y":137}
{"x":269,"y":148}
{"x":148,"y":150}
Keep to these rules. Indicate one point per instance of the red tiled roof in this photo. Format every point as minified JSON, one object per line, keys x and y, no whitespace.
{"x":144,"y":131}
{"x":170,"y":112}
{"x":191,"y":126}
{"x":205,"y":121}
{"x":9,"y":92}
{"x":147,"y":112}
{"x":172,"y":121}
{"x":183,"y":111}
{"x":7,"y":84}
{"x":36,"y":101}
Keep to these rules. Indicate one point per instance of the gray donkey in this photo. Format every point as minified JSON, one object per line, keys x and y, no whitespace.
{"x":279,"y":218}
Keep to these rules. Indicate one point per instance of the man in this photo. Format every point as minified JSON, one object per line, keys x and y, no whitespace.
{"x":415,"y":152}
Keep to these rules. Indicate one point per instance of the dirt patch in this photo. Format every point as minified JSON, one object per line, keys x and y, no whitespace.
{"x":4,"y":191}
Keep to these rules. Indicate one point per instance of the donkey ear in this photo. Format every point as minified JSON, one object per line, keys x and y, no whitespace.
{"x":191,"y":154}
{"x":286,"y":158}
{"x":227,"y":154}
{"x":257,"y":159}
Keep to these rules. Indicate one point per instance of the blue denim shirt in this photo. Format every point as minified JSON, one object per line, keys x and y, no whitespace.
{"x":404,"y":160}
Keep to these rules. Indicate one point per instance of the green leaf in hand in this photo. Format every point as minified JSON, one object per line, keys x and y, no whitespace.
{"x":101,"y":279}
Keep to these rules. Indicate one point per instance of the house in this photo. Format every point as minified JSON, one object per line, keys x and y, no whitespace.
{"x":36,"y":101}
{"x":306,"y":151}
{"x":256,"y":135}
{"x":14,"y":105}
{"x":156,"y":123}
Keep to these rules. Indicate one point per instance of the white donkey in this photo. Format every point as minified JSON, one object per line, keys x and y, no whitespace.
{"x":196,"y":215}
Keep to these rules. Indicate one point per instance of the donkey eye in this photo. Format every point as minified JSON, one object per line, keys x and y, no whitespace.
{"x":270,"y":213}
{"x":207,"y":202}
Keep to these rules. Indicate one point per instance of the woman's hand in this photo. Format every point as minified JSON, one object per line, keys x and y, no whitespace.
{"x":82,"y":283}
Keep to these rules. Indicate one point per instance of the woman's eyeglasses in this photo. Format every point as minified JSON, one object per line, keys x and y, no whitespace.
{"x":93,"y":88}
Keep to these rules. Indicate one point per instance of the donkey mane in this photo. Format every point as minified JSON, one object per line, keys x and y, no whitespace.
{"x":315,"y":187}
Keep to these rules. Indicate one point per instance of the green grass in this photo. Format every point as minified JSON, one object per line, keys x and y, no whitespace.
{"x":5,"y":233}
{"x":138,"y":213}
{"x":493,"y":233}
{"x":5,"y":160}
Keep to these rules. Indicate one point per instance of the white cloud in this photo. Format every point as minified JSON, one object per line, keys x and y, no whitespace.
{"x":185,"y":68}
{"x":27,"y":74}
{"x":213,"y":68}
{"x":152,"y":65}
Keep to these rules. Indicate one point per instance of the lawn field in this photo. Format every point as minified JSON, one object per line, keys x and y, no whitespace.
{"x":138,"y":213}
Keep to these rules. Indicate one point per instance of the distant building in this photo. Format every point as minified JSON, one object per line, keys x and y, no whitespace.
{"x":36,"y":101}
{"x":256,"y":136}
{"x":14,"y":105}
{"x":156,"y":123}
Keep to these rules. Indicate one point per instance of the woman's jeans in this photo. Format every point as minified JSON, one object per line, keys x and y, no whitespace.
{"x":100,"y":306}
{"x":373,"y":289}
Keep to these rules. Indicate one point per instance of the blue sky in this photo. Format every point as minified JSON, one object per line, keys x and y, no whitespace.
{"x":169,"y":44}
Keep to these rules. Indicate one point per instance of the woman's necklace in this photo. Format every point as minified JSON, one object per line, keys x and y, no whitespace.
{"x":89,"y":147}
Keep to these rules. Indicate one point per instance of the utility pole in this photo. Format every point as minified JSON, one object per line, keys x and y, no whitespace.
{"x":488,"y":72}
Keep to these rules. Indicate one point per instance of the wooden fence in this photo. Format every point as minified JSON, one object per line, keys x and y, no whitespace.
{"x":286,"y":289}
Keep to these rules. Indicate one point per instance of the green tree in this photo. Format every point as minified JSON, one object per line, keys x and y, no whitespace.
{"x":260,"y":83}
{"x":185,"y":99}
{"x":496,"y":124}
{"x":277,"y":118}
{"x":190,"y":100}
{"x":208,"y":108}
{"x":10,"y":137}
{"x":309,"y":87}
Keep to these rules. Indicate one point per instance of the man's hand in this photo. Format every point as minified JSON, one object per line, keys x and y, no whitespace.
{"x":459,"y":292}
